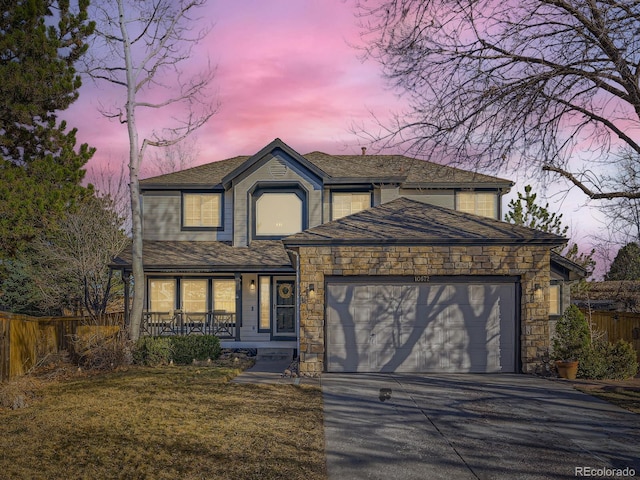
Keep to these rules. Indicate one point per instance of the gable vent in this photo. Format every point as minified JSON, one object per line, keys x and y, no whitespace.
{"x":278,"y":169}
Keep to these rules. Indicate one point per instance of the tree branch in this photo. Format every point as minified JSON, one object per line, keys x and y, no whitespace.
{"x":586,"y":190}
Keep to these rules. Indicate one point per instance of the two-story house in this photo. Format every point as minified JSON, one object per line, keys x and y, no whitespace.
{"x":358,"y":262}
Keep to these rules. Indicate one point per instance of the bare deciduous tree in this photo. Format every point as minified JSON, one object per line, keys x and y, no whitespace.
{"x":173,"y":158}
{"x":548,"y":85}
{"x":145,"y":44}
{"x":68,"y":266}
{"x":114,"y":185}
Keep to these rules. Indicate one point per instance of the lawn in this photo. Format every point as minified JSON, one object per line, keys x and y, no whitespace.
{"x":165,"y":423}
{"x":625,"y":396}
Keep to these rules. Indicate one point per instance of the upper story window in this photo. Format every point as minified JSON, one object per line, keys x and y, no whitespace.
{"x":348,"y":203}
{"x":484,"y":204}
{"x":202,"y":210}
{"x":279,"y":213}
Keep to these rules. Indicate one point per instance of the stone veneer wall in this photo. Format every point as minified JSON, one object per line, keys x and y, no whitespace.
{"x":529,"y":262}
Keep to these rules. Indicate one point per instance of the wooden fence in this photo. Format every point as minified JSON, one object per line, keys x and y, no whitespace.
{"x":618,"y":326}
{"x":24,"y":339}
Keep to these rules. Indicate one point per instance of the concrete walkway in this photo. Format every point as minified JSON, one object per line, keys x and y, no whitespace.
{"x":472,"y":427}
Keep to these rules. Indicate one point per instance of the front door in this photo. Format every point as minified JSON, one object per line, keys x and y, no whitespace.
{"x":284,"y":314}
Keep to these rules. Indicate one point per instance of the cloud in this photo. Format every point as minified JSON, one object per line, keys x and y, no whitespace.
{"x":284,"y":69}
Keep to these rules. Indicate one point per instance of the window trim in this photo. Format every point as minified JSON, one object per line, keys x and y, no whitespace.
{"x":212,"y":293}
{"x":552,"y":286}
{"x":207,"y":293}
{"x":260,"y":190}
{"x":178,"y":279}
{"x":270,"y":301}
{"x":350,"y":191}
{"x":494,"y":193}
{"x":176,"y":295}
{"x":186,"y":228}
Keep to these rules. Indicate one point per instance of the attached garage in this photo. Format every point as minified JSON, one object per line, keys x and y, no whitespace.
{"x":454,"y":326}
{"x":410,"y":287}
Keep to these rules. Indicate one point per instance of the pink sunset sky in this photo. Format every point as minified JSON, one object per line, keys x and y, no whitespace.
{"x":287,"y":69}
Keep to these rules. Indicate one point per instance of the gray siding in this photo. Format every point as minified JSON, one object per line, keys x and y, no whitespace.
{"x":439,"y":198}
{"x":280,"y":169}
{"x":250,"y":308}
{"x":326,"y":206}
{"x":161,"y":219}
{"x":388,"y":193}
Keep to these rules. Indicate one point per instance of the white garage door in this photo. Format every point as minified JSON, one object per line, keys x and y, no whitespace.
{"x":420,"y":327}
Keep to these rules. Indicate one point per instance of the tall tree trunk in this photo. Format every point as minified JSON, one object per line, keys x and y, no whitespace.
{"x":134,"y":169}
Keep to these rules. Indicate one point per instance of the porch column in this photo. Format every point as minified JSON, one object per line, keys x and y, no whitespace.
{"x":127,"y":285}
{"x":238,"y":278}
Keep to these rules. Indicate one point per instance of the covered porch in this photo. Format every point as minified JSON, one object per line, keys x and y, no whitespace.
{"x":246,"y":296}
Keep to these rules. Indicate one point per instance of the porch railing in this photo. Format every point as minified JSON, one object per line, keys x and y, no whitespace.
{"x":220,"y":323}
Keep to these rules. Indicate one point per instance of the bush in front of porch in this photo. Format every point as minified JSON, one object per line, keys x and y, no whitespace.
{"x":154,"y":351}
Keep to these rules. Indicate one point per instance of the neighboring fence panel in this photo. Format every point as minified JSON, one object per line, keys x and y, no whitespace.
{"x":25,"y":339}
{"x":619,"y":326}
{"x":22,"y":350}
{"x":5,"y":351}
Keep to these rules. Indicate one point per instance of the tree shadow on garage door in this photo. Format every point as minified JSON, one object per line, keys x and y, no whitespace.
{"x":419,"y":328}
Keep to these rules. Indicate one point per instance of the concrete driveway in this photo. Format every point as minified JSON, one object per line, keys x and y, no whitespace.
{"x":472,"y":426}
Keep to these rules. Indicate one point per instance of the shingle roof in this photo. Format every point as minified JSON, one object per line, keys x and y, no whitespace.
{"x":411,"y":170}
{"x":207,"y":175}
{"x":340,"y":168}
{"x":411,"y":222}
{"x":265,"y":255}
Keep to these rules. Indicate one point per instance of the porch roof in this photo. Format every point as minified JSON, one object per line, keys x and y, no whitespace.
{"x":178,"y":256}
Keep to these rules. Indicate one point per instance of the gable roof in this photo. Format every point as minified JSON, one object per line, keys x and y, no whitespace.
{"x":409,"y":222}
{"x":570,"y":270}
{"x":274,"y":146}
{"x":333,"y":169}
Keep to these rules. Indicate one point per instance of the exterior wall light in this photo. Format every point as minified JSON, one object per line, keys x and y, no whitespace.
{"x":537,"y":292}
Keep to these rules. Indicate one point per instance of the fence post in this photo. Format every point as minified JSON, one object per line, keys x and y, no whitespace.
{"x":5,"y":345}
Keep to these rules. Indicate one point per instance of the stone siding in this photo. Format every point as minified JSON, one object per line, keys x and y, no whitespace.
{"x":528,"y":262}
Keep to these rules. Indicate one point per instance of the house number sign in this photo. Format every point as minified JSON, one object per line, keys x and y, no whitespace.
{"x":421,"y":278}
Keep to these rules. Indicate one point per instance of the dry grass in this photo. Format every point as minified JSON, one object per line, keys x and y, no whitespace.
{"x":623,"y":395}
{"x":165,"y":423}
